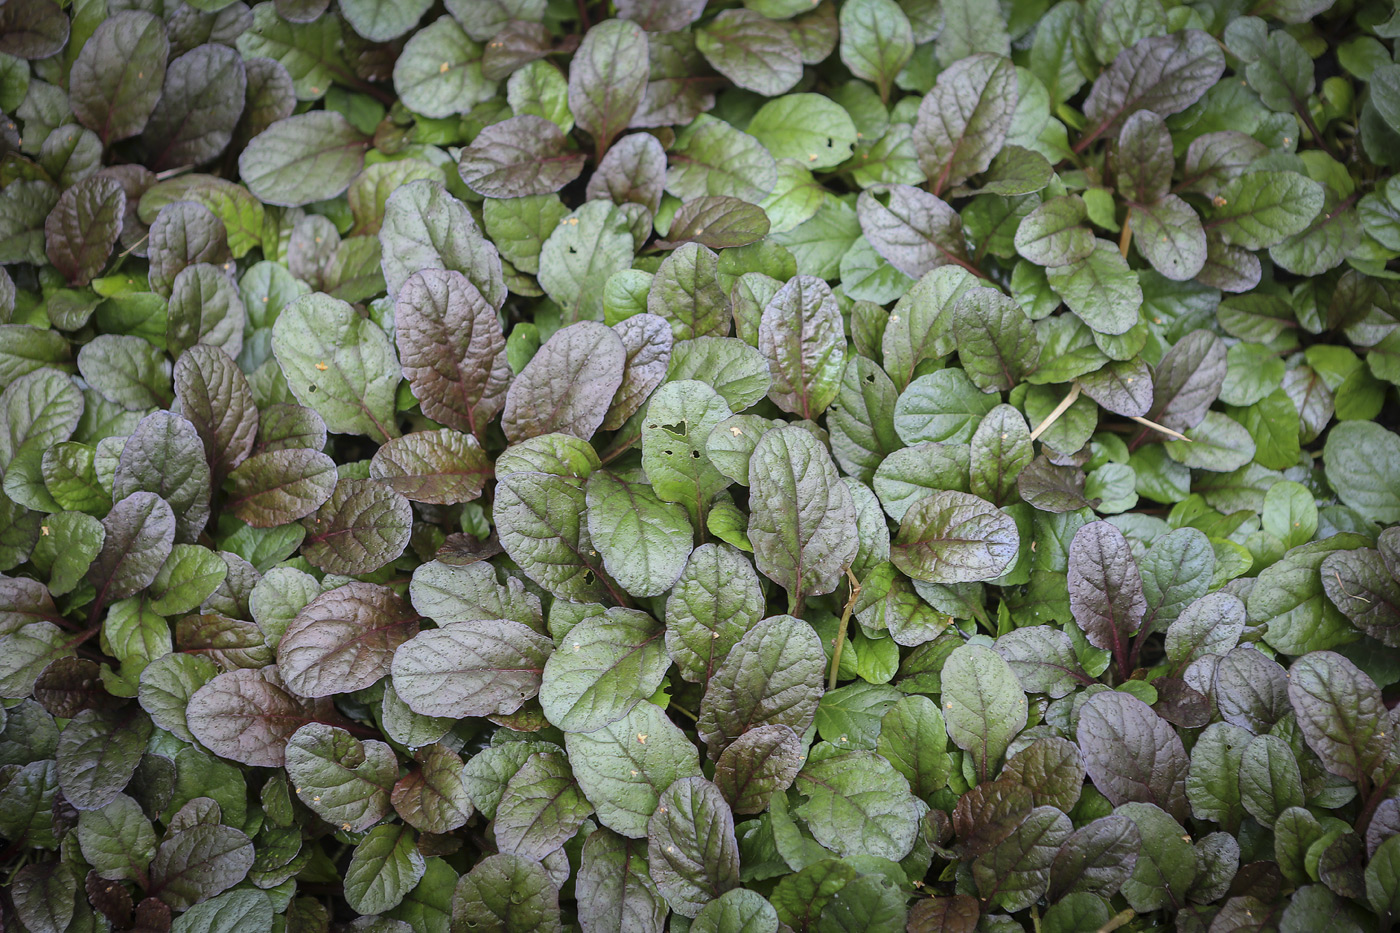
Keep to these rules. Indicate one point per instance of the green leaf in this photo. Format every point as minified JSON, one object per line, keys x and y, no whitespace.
{"x":803,"y":519}
{"x":127,"y":371}
{"x":540,"y":519}
{"x":809,"y":128}
{"x":686,"y":293}
{"x":849,"y":717}
{"x":507,"y":893}
{"x":26,"y":205}
{"x":1167,"y":863}
{"x":196,"y":863}
{"x":117,"y":840}
{"x":607,"y":665}
{"x":339,"y":364}
{"x":200,"y":103}
{"x":1340,"y":714}
{"x":861,"y":419}
{"x":360,"y":528}
{"x":425,"y":86}
{"x":963,"y":121}
{"x":614,"y":887}
{"x":607,"y":79}
{"x":954,"y":537}
{"x":305,"y":158}
{"x":771,"y":676}
{"x":801,"y":336}
{"x":1000,"y":449}
{"x":426,"y":228}
{"x":167,"y":684}
{"x":525,"y":155}
{"x":280,"y":486}
{"x":675,"y":426}
{"x":230,"y":911}
{"x":475,"y":668}
{"x":462,"y":593}
{"x":756,"y":53}
{"x":580,"y":256}
{"x":1270,"y":780}
{"x":83,"y":227}
{"x":1291,"y":596}
{"x":624,"y":767}
{"x":739,"y":909}
{"x":714,"y":602}
{"x":541,"y":808}
{"x":996,"y":341}
{"x":734,"y":369}
{"x":382,"y":20}
{"x":918,"y":330}
{"x":342,"y":780}
{"x":1054,"y":233}
{"x":1382,"y":875}
{"x":486,"y":774}
{"x":877,"y":41}
{"x":1262,"y":209}
{"x":858,"y":804}
{"x":691,"y":848}
{"x":912,"y":229}
{"x":714,"y":158}
{"x":914,"y":739}
{"x":1100,"y":289}
{"x":983,"y":704}
{"x":384,"y":867}
{"x":644,"y":541}
{"x":1360,"y":456}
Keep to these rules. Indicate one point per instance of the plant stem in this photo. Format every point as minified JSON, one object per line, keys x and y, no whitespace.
{"x":1059,"y":410}
{"x":841,"y":630}
{"x":1125,"y":239}
{"x":1117,"y":921}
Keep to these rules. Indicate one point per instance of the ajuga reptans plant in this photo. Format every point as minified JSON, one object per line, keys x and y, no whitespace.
{"x":644,"y":465}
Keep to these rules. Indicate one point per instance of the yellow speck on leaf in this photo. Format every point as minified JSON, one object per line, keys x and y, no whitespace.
{"x":642,"y":737}
{"x":322,"y":367}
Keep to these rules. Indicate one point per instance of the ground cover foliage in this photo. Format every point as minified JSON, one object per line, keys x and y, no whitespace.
{"x":513,"y":465}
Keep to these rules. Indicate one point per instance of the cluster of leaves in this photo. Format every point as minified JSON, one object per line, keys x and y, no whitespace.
{"x":513,"y":465}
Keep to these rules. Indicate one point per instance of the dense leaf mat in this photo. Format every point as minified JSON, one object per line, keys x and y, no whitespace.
{"x":641,"y":465}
